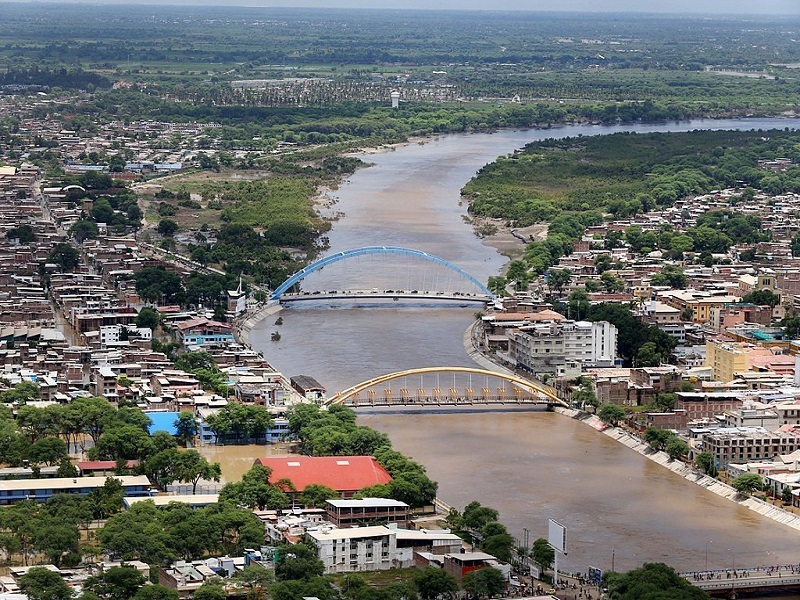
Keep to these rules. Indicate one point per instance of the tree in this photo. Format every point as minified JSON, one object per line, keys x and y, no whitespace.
{"x":476,"y":516}
{"x":791,"y":327}
{"x":578,"y":304}
{"x":23,"y":234}
{"x":631,"y":333}
{"x":612,"y":283}
{"x":212,"y":589}
{"x":117,"y":583}
{"x":55,"y":537}
{"x":786,"y":495}
{"x":314,"y":587}
{"x":160,"y":468}
{"x":761,"y":297}
{"x":648,"y":355}
{"x":650,"y":582}
{"x":123,"y":441}
{"x":706,"y":462}
{"x":499,"y":545}
{"x":611,"y":413}
{"x":315,"y":495}
{"x":156,"y":285}
{"x":167,"y":227}
{"x":40,"y":583}
{"x":48,"y":451}
{"x":433,"y":583}
{"x":518,"y":273}
{"x":672,"y":276}
{"x":87,"y":416}
{"x":107,"y":500}
{"x":83,"y":230}
{"x":747,"y":483}
{"x":190,"y":467}
{"x":148,"y":317}
{"x":543,"y":553}
{"x":65,"y":256}
{"x":298,"y":561}
{"x":66,"y":468}
{"x":602,"y":263}
{"x":677,"y":448}
{"x":156,"y":592}
{"x":186,"y":426}
{"x":484,"y":583}
{"x":557,"y":279}
{"x":239,"y":421}
{"x":256,"y":579}
{"x":254,"y":491}
{"x":657,"y":438}
{"x":20,"y":393}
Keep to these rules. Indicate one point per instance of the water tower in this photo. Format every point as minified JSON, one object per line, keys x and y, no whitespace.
{"x":395,"y":99}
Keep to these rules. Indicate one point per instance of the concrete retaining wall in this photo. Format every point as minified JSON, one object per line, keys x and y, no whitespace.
{"x":245,"y":324}
{"x":676,"y":466}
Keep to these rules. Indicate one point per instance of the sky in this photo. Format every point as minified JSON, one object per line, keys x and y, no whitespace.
{"x":717,"y":7}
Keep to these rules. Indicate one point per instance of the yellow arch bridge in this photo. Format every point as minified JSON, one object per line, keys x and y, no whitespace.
{"x":522,"y":391}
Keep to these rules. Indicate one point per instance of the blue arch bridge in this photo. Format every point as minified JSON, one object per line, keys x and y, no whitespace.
{"x":450,"y":283}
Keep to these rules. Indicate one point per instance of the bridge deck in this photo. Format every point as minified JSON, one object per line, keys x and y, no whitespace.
{"x":385,"y":295}
{"x":445,"y":401}
{"x":723,"y":583}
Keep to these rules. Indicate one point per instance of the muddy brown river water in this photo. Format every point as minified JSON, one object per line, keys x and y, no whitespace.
{"x":531,"y":466}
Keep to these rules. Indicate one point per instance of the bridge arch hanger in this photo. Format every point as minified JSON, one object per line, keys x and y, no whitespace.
{"x":526,"y":384}
{"x":352,"y":253}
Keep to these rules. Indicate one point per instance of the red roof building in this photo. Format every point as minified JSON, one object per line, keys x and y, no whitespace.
{"x":344,"y":474}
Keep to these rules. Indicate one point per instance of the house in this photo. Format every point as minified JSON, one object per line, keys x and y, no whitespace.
{"x":460,"y":564}
{"x":344,"y":474}
{"x":203,"y":332}
{"x":308,"y":387}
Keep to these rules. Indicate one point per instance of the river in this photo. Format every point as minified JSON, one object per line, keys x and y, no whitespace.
{"x":531,"y":466}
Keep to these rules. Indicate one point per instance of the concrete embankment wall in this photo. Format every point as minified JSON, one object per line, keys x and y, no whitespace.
{"x":676,"y":466}
{"x":662,"y":458}
{"x":242,"y":328}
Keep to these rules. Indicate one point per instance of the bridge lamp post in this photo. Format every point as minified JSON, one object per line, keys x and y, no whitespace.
{"x":707,"y":543}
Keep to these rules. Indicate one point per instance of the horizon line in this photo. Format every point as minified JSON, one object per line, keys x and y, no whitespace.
{"x":256,"y":4}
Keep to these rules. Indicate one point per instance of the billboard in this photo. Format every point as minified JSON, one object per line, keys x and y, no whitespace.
{"x":595,"y":575}
{"x":557,"y":536}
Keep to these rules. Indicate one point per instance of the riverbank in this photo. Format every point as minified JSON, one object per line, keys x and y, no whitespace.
{"x":244,"y":325}
{"x":662,"y":458}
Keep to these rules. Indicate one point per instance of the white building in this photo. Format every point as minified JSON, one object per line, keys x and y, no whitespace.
{"x":112,"y":334}
{"x":377,"y":548}
{"x":355,"y":549}
{"x":550,"y":347}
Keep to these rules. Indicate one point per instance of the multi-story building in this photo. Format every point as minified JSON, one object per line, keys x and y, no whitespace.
{"x":748,"y":444}
{"x":726,"y":359}
{"x":706,"y":405}
{"x":378,"y":548}
{"x":549,"y":347}
{"x":355,"y":549}
{"x":700,"y":302}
